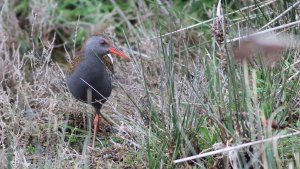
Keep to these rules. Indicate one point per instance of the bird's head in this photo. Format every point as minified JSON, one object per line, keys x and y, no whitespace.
{"x":100,"y":45}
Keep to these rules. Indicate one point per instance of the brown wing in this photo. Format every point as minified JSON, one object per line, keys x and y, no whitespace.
{"x":75,"y":62}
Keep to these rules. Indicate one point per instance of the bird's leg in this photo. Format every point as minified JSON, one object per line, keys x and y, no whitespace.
{"x":96,"y":127}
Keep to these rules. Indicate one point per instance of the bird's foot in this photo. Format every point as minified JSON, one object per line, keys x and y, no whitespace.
{"x":107,"y":128}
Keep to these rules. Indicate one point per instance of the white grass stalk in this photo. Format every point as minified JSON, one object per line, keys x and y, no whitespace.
{"x":265,"y":31}
{"x":286,"y":11}
{"x":227,"y":149}
{"x":210,"y":20}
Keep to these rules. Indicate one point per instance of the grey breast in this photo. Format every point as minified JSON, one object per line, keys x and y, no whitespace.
{"x":92,"y":75}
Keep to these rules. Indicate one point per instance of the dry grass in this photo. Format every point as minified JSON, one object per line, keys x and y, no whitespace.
{"x":42,"y":125}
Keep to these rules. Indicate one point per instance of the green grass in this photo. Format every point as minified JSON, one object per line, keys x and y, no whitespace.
{"x":182,"y":94}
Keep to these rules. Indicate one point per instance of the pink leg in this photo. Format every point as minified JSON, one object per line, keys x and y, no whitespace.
{"x":96,"y":127}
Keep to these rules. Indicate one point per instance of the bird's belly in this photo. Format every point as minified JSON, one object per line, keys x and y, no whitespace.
{"x":93,"y":77}
{"x":101,"y":90}
{"x":81,"y":87}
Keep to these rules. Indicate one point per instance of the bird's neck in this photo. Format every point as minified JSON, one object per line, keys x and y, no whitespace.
{"x":105,"y":61}
{"x":90,"y":54}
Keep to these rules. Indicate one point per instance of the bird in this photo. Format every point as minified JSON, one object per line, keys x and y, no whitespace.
{"x":90,"y":74}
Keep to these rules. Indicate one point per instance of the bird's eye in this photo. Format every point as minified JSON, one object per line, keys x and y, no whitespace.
{"x":102,"y":42}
